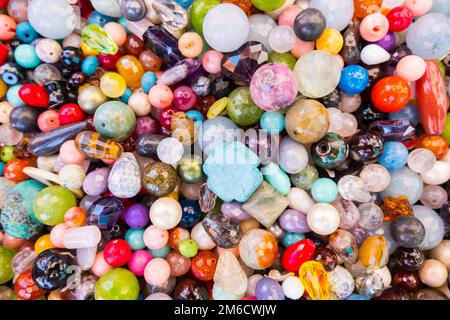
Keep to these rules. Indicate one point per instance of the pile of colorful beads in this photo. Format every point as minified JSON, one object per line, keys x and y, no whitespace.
{"x":234,"y":149}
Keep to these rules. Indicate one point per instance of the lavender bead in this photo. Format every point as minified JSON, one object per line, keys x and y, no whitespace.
{"x":137,"y":216}
{"x":269,"y":289}
{"x":233,"y":211}
{"x":294,"y":221}
{"x":96,"y":182}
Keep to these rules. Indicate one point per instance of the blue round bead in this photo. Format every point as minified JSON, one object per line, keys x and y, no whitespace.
{"x":191,"y":213}
{"x":12,"y":95}
{"x":409,"y":113}
{"x":89,"y":65}
{"x":160,"y":253}
{"x":324,"y":190}
{"x":25,"y":56}
{"x":99,"y":19}
{"x":126,"y":96}
{"x":148,"y":81}
{"x":272,"y":122}
{"x":394,"y":156}
{"x":354,"y":79}
{"x":291,"y":238}
{"x":25,"y":32}
{"x":135,"y":238}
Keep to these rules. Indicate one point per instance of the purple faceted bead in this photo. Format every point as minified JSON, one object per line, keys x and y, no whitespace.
{"x":136,"y":216}
{"x":163,"y":44}
{"x":393,"y":130}
{"x":294,"y":221}
{"x":233,"y":211}
{"x":105,"y":212}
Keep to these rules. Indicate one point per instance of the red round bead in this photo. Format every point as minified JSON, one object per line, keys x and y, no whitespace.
{"x":14,"y":170}
{"x":108,"y":61}
{"x":166,"y":117}
{"x":296,"y":254}
{"x":391,"y":94}
{"x":399,"y":18}
{"x":117,"y":252}
{"x":70,"y":113}
{"x":3,"y":53}
{"x":34,"y":95}
{"x":184,"y":98}
{"x":48,"y":120}
{"x":3,"y":3}
{"x":25,"y":287}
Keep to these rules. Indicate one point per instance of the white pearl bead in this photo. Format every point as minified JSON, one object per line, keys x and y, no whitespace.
{"x":323,"y":219}
{"x":299,"y":200}
{"x":438,"y":175}
{"x":293,"y":288}
{"x":165,"y":213}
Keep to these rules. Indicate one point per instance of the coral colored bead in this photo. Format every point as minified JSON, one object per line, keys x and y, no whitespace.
{"x":34,"y":95}
{"x":14,"y":170}
{"x":10,"y":242}
{"x":391,"y":94}
{"x":288,"y":15}
{"x":25,"y":287}
{"x":160,"y":96}
{"x":70,"y":113}
{"x":157,"y":271}
{"x":374,"y":27}
{"x":301,"y":47}
{"x":399,"y":19}
{"x":43,"y":243}
{"x":117,"y":252}
{"x":411,"y":68}
{"x":116,"y":32}
{"x":190,"y":44}
{"x":8,"y":29}
{"x":211,"y":61}
{"x":203,"y":265}
{"x":70,"y":154}
{"x":297,"y":254}
{"x":108,"y":61}
{"x":366,"y":7}
{"x":48,"y":120}
{"x":435,"y":143}
{"x":184,"y":98}
{"x":75,"y":217}
{"x":418,"y":7}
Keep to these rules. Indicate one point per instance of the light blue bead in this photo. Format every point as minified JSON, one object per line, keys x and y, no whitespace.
{"x":90,"y":64}
{"x":126,"y":96}
{"x":272,"y":122}
{"x":291,"y":238}
{"x":160,"y":253}
{"x":324,"y":190}
{"x":354,"y":79}
{"x":123,"y":22}
{"x":12,"y":95}
{"x":394,"y":156}
{"x":277,"y":178}
{"x":195,"y":115}
{"x":135,"y":238}
{"x":99,"y":19}
{"x":185,"y":3}
{"x":2,"y":168}
{"x":409,"y":113}
{"x":25,"y":56}
{"x":148,"y":81}
{"x":356,"y":297}
{"x":25,"y":32}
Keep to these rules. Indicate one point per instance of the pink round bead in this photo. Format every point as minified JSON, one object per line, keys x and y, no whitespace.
{"x":138,"y":261}
{"x":288,"y":15}
{"x":48,"y":120}
{"x":69,"y":154}
{"x":116,"y":32}
{"x":11,"y":242}
{"x":411,"y":68}
{"x":212,"y":61}
{"x":56,"y":235}
{"x":184,"y":98}
{"x":160,"y":96}
{"x":418,"y":7}
{"x":157,"y":271}
{"x":374,"y":27}
{"x":301,"y":47}
{"x":155,"y":238}
{"x":100,"y":266}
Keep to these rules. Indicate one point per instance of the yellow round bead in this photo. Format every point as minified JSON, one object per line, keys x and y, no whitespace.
{"x":43,"y":243}
{"x":331,"y":41}
{"x":112,"y":85}
{"x":217,"y":108}
{"x":88,"y":51}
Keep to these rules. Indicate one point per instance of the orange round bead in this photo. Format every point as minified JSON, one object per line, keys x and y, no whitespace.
{"x":75,"y":217}
{"x":43,"y":243}
{"x":435,"y":143}
{"x":366,"y":7}
{"x":14,"y":170}
{"x":391,"y":94}
{"x":203,"y":265}
{"x":25,"y":288}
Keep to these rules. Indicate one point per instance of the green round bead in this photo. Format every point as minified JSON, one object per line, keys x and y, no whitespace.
{"x":198,"y":12}
{"x":324,"y":190}
{"x":190,"y":169}
{"x":446,"y":132}
{"x":285,"y":58}
{"x":52,"y":203}
{"x":241,"y":108}
{"x":305,"y":178}
{"x":188,"y":248}
{"x":7,"y":153}
{"x":117,"y":284}
{"x":268,"y":5}
{"x":6,"y":272}
{"x":115,"y":120}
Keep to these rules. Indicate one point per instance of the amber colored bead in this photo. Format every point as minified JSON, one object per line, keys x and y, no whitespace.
{"x":374,"y":252}
{"x":435,"y":143}
{"x":204,"y":265}
{"x":394,"y":207}
{"x":366,"y":7}
{"x":183,"y":128}
{"x":407,"y":280}
{"x":14,"y":170}
{"x":150,"y":61}
{"x":133,"y":45}
{"x":245,"y":5}
{"x":314,"y":278}
{"x":131,"y":70}
{"x":25,"y":288}
{"x":21,"y":150}
{"x":93,"y":145}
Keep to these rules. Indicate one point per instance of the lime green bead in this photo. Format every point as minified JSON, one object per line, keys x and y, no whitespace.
{"x":268,"y":5}
{"x":117,"y":284}
{"x":285,"y":58}
{"x":446,"y":132}
{"x":7,"y":153}
{"x":52,"y":203}
{"x":241,"y":108}
{"x":6,"y":272}
{"x":188,"y":248}
{"x":96,"y":38}
{"x":198,"y":12}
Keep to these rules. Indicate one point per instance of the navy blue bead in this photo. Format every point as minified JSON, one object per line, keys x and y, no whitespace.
{"x":191,"y":213}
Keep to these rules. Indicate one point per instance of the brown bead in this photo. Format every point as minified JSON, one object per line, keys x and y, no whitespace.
{"x":134,"y":45}
{"x":394,"y":207}
{"x":407,"y":280}
{"x":150,"y":61}
{"x":179,"y":265}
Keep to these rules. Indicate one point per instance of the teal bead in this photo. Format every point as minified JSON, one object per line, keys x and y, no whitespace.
{"x":277,"y":178}
{"x":115,"y":120}
{"x":272,"y":122}
{"x":135,"y":238}
{"x":160,"y":253}
{"x":90,"y":64}
{"x":25,"y":32}
{"x":25,"y":56}
{"x":324,"y":190}
{"x":291,"y":238}
{"x":126,"y":96}
{"x":12,"y":95}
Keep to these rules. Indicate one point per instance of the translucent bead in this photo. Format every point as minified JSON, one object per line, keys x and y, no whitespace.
{"x":371,"y":216}
{"x":282,"y":39}
{"x":349,"y":125}
{"x":376,"y":177}
{"x":170,"y":151}
{"x":260,"y":27}
{"x":336,"y":120}
{"x":337,"y":13}
{"x":434,"y":227}
{"x":131,"y":70}
{"x":433,"y":197}
{"x":421,"y":160}
{"x":96,"y":38}
{"x":404,"y":182}
{"x":370,"y":284}
{"x":354,"y":189}
{"x":439,"y":174}
{"x":314,"y":278}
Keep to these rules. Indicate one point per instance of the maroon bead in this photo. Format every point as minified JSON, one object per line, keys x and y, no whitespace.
{"x":108,"y":61}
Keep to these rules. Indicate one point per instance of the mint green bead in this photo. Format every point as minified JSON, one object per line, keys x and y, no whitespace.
{"x":6,"y":272}
{"x":115,"y":120}
{"x":221,"y":294}
{"x":324,"y":190}
{"x":160,"y":253}
{"x":277,"y":178}
{"x":25,"y":56}
{"x":12,"y":95}
{"x":188,"y":248}
{"x":272,"y":122}
{"x":52,"y":203}
{"x":198,"y":12}
{"x":117,"y":284}
{"x":242,"y":109}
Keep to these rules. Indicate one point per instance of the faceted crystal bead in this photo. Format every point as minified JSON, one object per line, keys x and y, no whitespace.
{"x":394,"y":207}
{"x":163,"y":44}
{"x":354,"y":189}
{"x":222,"y":230}
{"x":207,"y":199}
{"x":393,"y":130}
{"x":105,"y":212}
{"x":240,"y":65}
{"x":98,"y":39}
{"x":173,"y":15}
